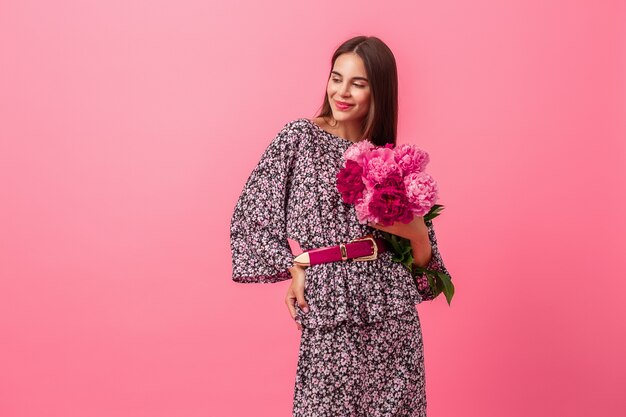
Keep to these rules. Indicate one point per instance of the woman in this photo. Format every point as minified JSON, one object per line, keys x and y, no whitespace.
{"x":361,"y":349}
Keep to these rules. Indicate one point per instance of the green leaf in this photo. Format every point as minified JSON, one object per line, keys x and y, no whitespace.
{"x":434,"y":211}
{"x":448,"y":286}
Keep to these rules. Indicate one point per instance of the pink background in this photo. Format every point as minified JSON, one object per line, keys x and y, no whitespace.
{"x":127,"y":131}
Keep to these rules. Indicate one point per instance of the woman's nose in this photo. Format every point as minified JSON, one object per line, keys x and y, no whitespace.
{"x":345,"y":89}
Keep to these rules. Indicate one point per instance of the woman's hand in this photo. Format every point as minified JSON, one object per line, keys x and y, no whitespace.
{"x":416,"y":230}
{"x":295,"y":293}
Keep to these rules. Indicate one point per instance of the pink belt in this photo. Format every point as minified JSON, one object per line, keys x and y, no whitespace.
{"x":361,"y":249}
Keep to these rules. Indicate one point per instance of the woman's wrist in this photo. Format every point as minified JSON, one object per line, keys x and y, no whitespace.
{"x":295,"y":267}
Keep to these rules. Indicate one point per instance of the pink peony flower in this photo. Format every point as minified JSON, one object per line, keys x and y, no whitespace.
{"x":349,"y":182}
{"x":421,"y":191}
{"x":390,"y":204}
{"x":411,"y":159}
{"x":356,"y":151}
{"x":394,"y":179}
{"x":361,"y":207}
{"x":378,"y":164}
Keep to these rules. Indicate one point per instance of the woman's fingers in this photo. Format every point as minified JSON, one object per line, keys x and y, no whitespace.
{"x":301,"y":301}
{"x":298,"y":288}
{"x":291,"y":300}
{"x":295,"y":299}
{"x":295,"y":294}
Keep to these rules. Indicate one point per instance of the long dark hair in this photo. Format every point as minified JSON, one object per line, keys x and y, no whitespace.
{"x":381,"y":123}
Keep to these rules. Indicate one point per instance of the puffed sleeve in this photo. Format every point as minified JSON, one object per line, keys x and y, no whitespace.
{"x":258,"y":235}
{"x":435,"y":263}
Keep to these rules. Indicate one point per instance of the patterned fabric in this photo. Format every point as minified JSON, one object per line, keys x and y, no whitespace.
{"x":371,"y":370}
{"x":292,"y":193}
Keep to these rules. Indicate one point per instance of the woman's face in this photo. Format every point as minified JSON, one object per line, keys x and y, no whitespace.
{"x":348,"y":88}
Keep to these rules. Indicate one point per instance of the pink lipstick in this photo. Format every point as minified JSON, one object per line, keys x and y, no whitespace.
{"x":342,"y":106}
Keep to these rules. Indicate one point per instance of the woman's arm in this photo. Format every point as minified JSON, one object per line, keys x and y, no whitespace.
{"x":258,"y":232}
{"x":421,"y":235}
{"x":422,"y":249}
{"x":429,"y":257}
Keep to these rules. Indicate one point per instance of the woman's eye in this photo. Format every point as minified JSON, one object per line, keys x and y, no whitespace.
{"x":336,"y":80}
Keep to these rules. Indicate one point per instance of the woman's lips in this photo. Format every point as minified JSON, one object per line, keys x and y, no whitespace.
{"x":342,"y":106}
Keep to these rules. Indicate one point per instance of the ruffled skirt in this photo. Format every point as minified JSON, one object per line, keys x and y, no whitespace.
{"x":362,"y":370}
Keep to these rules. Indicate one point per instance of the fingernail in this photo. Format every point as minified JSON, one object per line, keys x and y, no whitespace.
{"x":305,"y":309}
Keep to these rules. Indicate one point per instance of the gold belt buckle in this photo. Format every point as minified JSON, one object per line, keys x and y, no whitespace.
{"x":369,"y":257}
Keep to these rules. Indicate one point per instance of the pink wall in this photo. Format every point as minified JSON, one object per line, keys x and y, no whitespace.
{"x":115,"y":121}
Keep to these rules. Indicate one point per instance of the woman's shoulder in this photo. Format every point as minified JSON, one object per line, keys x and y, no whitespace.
{"x":289,"y":137}
{"x":297,"y":130}
{"x":300,"y":124}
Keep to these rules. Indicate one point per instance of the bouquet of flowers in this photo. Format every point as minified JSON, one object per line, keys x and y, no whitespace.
{"x":386,"y":185}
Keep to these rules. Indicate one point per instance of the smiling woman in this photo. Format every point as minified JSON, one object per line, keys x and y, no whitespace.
{"x":361,"y":349}
{"x":361,"y":100}
{"x":348,"y":88}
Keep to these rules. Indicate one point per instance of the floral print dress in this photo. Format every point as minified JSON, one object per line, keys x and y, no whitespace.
{"x":361,"y":349}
